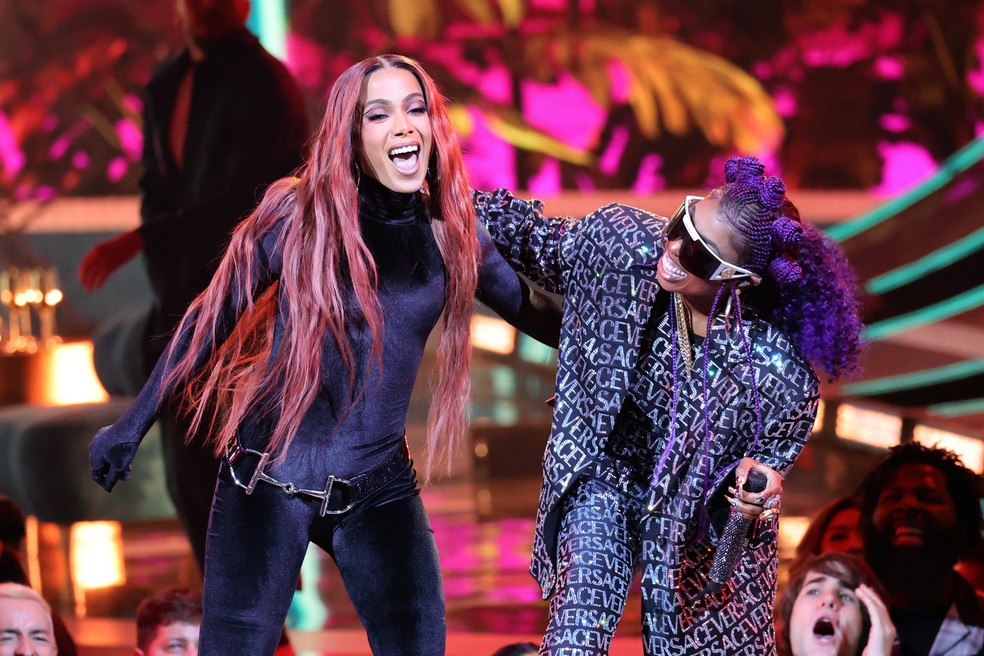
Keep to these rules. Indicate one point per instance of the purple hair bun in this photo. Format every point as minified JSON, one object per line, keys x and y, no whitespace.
{"x":786,"y":233}
{"x":773,"y":192}
{"x":743,"y":169}
{"x":785,"y":270}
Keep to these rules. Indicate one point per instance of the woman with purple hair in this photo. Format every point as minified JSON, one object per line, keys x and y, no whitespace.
{"x":688,"y":358}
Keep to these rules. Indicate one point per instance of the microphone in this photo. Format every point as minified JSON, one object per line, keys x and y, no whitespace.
{"x":733,"y":540}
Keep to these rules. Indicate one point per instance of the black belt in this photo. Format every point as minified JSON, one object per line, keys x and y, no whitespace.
{"x":337,"y":492}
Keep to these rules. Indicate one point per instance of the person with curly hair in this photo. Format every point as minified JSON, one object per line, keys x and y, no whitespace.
{"x":920,"y":514}
{"x":308,"y":341}
{"x":687,"y":359}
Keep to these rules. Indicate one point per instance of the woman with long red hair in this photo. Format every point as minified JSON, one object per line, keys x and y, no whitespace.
{"x":307,"y":344}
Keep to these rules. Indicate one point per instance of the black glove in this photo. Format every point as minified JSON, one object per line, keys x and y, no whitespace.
{"x":110,"y":456}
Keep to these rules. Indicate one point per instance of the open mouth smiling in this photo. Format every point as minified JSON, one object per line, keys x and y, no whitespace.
{"x":405,"y":158}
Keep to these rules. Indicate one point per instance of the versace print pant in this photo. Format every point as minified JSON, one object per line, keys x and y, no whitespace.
{"x":597,"y":550}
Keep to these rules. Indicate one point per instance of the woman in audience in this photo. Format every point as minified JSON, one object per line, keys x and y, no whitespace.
{"x":833,"y":528}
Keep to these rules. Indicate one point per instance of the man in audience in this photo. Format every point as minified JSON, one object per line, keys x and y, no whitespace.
{"x":168,"y":623}
{"x":25,"y":622}
{"x":920,"y":514}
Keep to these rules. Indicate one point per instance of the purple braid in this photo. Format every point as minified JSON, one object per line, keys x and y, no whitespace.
{"x":756,"y":399}
{"x":704,"y":519}
{"x":808,"y":289}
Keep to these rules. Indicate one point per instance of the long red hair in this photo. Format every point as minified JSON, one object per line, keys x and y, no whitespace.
{"x":324,"y":260}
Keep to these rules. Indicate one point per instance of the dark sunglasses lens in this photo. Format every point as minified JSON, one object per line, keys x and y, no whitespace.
{"x":675,"y":228}
{"x":695,"y":259}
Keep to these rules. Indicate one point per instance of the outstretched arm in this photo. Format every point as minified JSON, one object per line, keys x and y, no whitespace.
{"x":500,"y":288}
{"x":107,"y":256}
{"x":530,"y":242}
{"x":114,"y":447}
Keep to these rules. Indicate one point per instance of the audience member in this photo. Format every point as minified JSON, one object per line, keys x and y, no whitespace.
{"x":11,"y":570}
{"x":833,"y":528}
{"x":25,"y":622}
{"x":920,"y":514}
{"x":832,"y":606}
{"x":168,"y":622}
{"x":12,"y":531}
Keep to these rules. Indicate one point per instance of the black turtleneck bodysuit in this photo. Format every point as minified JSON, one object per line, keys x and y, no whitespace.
{"x":340,"y":438}
{"x":336,"y":436}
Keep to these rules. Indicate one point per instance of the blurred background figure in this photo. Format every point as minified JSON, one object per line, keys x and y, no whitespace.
{"x":920,"y":514}
{"x":25,"y":622}
{"x":833,"y":528}
{"x":832,"y":607}
{"x":12,"y":526}
{"x":222,"y":119}
{"x":168,"y":622}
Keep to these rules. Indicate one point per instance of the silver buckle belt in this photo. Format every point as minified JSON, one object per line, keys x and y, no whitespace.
{"x":352,"y":490}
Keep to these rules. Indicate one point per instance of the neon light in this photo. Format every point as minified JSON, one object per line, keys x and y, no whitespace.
{"x":958,"y":408}
{"x":957,"y":163}
{"x":923,"y":378}
{"x":268,"y":21}
{"x":935,"y":261}
{"x":950,"y":307}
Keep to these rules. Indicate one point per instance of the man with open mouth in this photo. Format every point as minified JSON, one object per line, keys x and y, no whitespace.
{"x":832,"y":607}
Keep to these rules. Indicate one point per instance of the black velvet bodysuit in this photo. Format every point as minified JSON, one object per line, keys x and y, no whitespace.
{"x":336,"y":436}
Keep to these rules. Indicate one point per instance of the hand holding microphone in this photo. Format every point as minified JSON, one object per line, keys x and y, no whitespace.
{"x":735,"y":535}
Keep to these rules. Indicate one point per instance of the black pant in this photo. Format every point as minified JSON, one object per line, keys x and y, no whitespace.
{"x":384,"y":548}
{"x":190,"y":467}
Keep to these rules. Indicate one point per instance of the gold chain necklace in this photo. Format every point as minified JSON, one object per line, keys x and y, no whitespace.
{"x":683,"y":324}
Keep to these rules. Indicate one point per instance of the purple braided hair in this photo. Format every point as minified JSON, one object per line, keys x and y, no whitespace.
{"x":808,"y":289}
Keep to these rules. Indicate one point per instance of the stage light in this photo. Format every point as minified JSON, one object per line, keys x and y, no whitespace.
{"x":492,"y":334}
{"x":791,"y":530}
{"x":970,"y":449}
{"x":95,"y":559}
{"x":869,"y":427}
{"x":70,"y":377}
